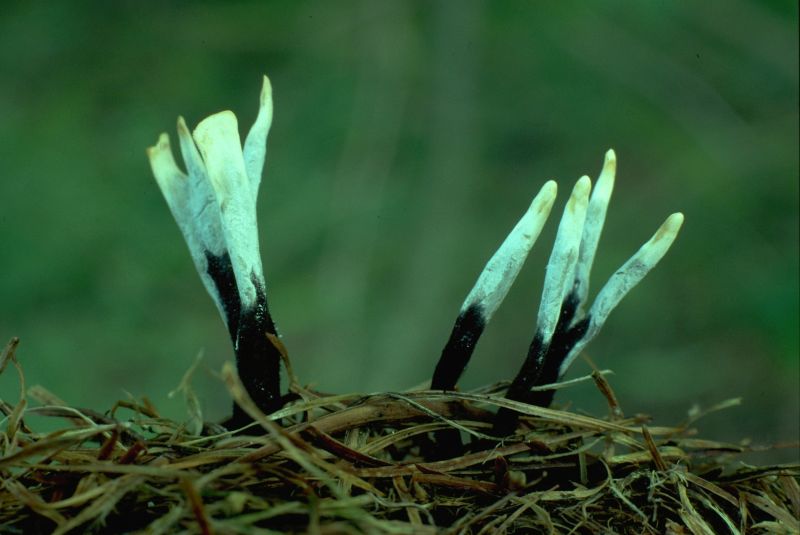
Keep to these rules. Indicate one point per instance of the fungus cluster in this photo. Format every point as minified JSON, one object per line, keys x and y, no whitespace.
{"x":214,"y":204}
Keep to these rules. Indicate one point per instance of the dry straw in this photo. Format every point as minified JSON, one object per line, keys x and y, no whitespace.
{"x":363,"y":464}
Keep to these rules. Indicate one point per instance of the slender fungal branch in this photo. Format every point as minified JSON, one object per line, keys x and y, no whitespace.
{"x":593,"y":226}
{"x":491,"y":288}
{"x":215,"y":208}
{"x":623,"y":281}
{"x":558,"y":281}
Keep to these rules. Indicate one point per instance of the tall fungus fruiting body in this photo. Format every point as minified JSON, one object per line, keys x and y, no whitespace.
{"x":214,"y":204}
{"x":491,"y":288}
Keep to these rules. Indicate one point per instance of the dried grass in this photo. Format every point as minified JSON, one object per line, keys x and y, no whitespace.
{"x":367,"y":464}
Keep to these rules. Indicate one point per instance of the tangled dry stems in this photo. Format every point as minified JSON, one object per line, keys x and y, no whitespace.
{"x":367,"y":464}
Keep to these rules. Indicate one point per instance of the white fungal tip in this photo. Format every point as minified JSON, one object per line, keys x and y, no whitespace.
{"x":217,"y":126}
{"x":580,"y":194}
{"x":549,"y":190}
{"x":266,"y":92}
{"x":584,"y":185}
{"x":662,"y":240}
{"x":161,"y":160}
{"x":171,"y":180}
{"x":161,"y":144}
{"x":610,"y":163}
{"x":605,"y":182}
{"x":182,"y":128}
{"x":255,"y":143}
{"x":672,"y":225}
{"x":544,"y":200}
{"x":217,"y":138}
{"x":657,"y":246}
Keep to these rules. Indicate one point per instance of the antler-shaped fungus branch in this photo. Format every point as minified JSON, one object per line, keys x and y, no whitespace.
{"x":215,"y":208}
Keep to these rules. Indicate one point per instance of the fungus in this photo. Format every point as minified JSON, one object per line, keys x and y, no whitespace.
{"x":491,"y":288}
{"x":563,"y":328}
{"x":214,"y":204}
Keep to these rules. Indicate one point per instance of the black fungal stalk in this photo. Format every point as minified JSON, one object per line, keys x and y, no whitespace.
{"x":258,"y":361}
{"x":221,"y":272}
{"x":542,"y":365}
{"x":458,"y":350}
{"x":565,"y":338}
{"x":455,"y":356}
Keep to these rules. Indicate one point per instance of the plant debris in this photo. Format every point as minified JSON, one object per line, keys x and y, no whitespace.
{"x":359,"y":463}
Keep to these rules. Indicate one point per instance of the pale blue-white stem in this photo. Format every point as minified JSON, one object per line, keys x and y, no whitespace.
{"x":217,"y":138}
{"x":560,"y":272}
{"x":502,"y":269}
{"x":181,"y":195}
{"x":593,"y":227}
{"x":625,"y":278}
{"x":202,"y":201}
{"x":255,"y":144}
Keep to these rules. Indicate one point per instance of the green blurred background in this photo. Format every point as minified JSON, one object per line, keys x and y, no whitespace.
{"x":408,"y":139}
